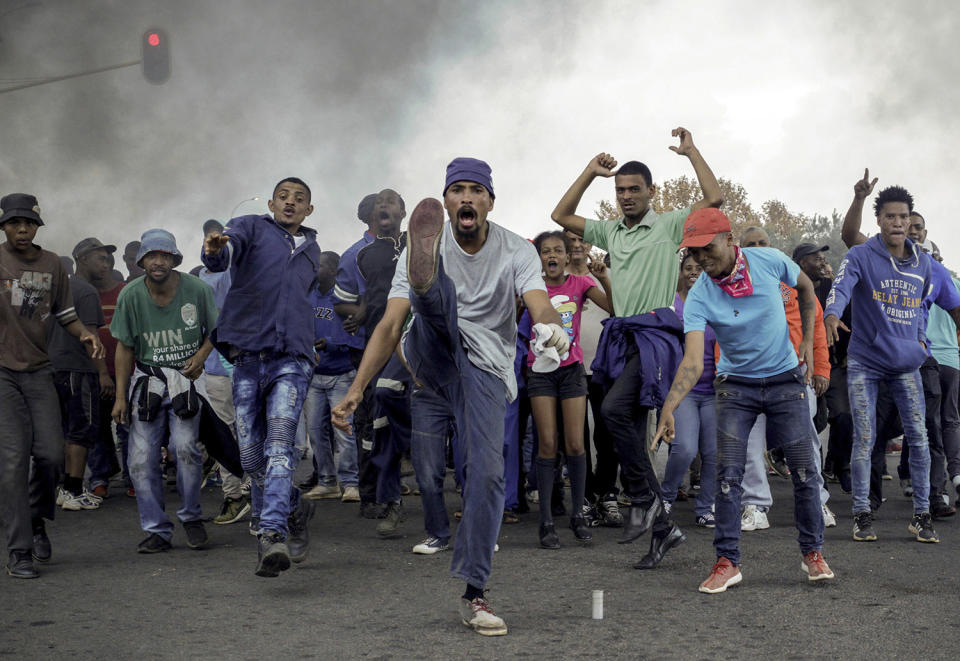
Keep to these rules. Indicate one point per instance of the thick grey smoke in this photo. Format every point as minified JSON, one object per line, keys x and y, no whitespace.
{"x":791,"y":100}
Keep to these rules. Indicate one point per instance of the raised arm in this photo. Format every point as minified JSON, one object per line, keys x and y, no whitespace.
{"x":688,"y":373}
{"x":565,"y":214}
{"x":600,"y":296}
{"x":712,"y":195}
{"x":807,"y":301}
{"x":850,"y":233}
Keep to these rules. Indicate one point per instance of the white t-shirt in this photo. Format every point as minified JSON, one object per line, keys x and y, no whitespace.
{"x":487,"y":284}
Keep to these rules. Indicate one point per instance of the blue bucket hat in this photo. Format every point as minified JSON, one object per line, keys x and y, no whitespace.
{"x":469,"y":169}
{"x":157,"y":240}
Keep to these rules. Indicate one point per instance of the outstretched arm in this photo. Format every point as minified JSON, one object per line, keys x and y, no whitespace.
{"x":850,"y":233}
{"x":689,"y":372}
{"x":565,"y":215}
{"x":712,"y":195}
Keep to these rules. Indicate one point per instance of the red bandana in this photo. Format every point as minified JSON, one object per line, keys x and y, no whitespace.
{"x":738,"y":283}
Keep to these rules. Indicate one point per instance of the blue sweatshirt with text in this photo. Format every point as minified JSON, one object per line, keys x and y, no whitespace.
{"x":886,"y":299}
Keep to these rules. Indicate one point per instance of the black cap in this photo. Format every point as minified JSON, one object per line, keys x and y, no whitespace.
{"x":212,"y":225}
{"x":20,"y":205}
{"x":805,"y":249}
{"x":90,"y":244}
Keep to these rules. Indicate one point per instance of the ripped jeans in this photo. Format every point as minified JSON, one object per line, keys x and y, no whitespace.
{"x":906,"y":390}
{"x":269,"y":389}
{"x":783,"y":399}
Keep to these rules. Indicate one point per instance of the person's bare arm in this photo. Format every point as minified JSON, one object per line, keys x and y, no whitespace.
{"x":82,"y":333}
{"x":712,"y":195}
{"x":565,"y":214}
{"x":807,"y":302}
{"x":123,"y":361}
{"x":688,"y":373}
{"x":600,"y":296}
{"x":850,"y":232}
{"x":541,"y":310}
{"x":380,"y":347}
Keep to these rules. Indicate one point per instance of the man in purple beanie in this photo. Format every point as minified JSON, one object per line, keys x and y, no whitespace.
{"x":460,"y":278}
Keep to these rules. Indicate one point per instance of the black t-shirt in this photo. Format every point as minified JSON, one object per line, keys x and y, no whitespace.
{"x":67,"y":353}
{"x":377,"y":262}
{"x":838,"y":352}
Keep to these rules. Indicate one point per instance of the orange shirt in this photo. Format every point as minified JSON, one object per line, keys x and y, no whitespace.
{"x":821,"y":355}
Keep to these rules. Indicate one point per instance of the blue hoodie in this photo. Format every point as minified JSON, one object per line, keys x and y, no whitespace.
{"x":886,"y":298}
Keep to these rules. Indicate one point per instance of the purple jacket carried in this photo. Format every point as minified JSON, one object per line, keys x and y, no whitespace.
{"x":658,"y":336}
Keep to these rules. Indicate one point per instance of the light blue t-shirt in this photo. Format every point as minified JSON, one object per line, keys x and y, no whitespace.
{"x":942,"y":335}
{"x":751,"y":330}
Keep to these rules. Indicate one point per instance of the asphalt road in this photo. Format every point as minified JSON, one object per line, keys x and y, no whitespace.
{"x":358,"y":596}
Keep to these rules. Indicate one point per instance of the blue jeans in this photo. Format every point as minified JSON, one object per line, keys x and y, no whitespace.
{"x":475,"y":402}
{"x":324,"y":393}
{"x":756,"y":487}
{"x":906,"y":390}
{"x":696,"y":431}
{"x":145,"y":441}
{"x":783,"y":398}
{"x":269,"y":389}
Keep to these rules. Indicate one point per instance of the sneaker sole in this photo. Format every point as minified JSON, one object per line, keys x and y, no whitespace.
{"x":733,"y":580}
{"x":322,"y":496}
{"x":916,"y":533}
{"x":486,"y":631}
{"x":35,"y":574}
{"x":273,"y":562}
{"x":423,"y":244}
{"x":815,"y":577}
{"x":429,"y":550}
{"x":242,"y":513}
{"x":866,"y":538}
{"x":149,"y":550}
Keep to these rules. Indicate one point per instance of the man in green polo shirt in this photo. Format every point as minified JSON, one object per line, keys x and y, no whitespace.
{"x":643,"y":258}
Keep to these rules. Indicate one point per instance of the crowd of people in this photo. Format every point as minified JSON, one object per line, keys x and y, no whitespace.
{"x":288,"y":374}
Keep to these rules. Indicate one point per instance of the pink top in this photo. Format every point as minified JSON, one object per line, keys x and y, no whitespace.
{"x":568,"y":300}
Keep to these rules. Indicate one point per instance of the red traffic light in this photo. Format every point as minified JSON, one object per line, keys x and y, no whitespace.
{"x":155,"y":56}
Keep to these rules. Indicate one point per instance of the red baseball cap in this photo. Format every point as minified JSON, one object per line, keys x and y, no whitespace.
{"x":702,"y":225}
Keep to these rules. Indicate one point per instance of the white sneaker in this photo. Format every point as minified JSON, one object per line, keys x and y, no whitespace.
{"x":350,"y":495}
{"x":760,"y":517}
{"x":85,"y":501}
{"x":748,"y":520}
{"x":431,"y":545}
{"x":479,"y":615}
{"x":63,"y":496}
{"x":323,"y":492}
{"x":829,"y":520}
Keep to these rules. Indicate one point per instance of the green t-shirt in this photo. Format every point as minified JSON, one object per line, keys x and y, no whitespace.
{"x":643,"y":259}
{"x":164,"y":336}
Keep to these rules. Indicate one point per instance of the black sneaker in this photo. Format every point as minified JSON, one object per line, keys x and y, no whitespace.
{"x":390,"y":526}
{"x":922,"y":527}
{"x":589,"y":514}
{"x":196,"y":534}
{"x":298,"y":540}
{"x":273,"y":556}
{"x":941,"y":508}
{"x":863,"y":527}
{"x":154,"y":543}
{"x":21,"y":565}
{"x":42,"y":551}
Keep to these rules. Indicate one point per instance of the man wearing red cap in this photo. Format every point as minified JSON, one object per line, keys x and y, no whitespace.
{"x":738,"y":295}
{"x":642,"y":247}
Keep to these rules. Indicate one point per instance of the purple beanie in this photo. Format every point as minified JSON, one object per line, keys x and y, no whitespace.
{"x":469,"y":169}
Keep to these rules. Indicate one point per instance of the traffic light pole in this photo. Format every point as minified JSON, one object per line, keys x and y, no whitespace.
{"x":55,"y":79}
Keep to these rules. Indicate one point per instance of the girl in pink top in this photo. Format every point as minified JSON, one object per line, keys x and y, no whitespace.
{"x":567,"y":383}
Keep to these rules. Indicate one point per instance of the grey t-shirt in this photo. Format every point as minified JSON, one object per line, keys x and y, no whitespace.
{"x":487,"y":285}
{"x":67,"y":353}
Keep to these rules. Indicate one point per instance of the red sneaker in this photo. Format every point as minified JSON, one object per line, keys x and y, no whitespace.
{"x":815,"y":567}
{"x":131,"y":492}
{"x":723,"y":575}
{"x":100,"y":491}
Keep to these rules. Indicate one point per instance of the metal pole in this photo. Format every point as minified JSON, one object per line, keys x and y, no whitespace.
{"x":46,"y":81}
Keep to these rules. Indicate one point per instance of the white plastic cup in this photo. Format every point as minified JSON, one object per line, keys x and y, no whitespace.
{"x":598,"y":604}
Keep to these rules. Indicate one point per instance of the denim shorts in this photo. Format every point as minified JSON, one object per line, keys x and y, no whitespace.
{"x":567,"y":382}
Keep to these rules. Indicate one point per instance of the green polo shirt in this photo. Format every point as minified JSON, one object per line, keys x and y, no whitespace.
{"x":643,"y":259}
